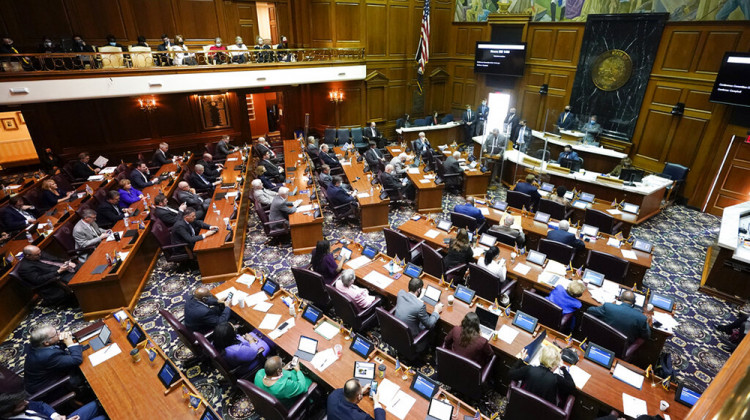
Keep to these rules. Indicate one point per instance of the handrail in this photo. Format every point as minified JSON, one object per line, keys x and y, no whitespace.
{"x":191,"y":58}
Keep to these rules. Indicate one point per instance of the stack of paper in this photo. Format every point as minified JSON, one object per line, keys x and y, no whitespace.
{"x":327,"y":329}
{"x":357,"y":262}
{"x":580,"y":376}
{"x":628,"y":376}
{"x":323,"y":359}
{"x":667,"y":320}
{"x":263,"y":306}
{"x":521,"y":269}
{"x":555,"y":267}
{"x":392,"y":267}
{"x":269,"y":322}
{"x":379,"y":280}
{"x":412,"y":170}
{"x":396,"y":401}
{"x":302,"y":209}
{"x":629,"y":254}
{"x":221,"y":296}
{"x":246,"y":279}
{"x":104,"y":354}
{"x":255,"y":299}
{"x":432,"y":234}
{"x":632,"y":406}
{"x":614,"y":212}
{"x":613,"y":242}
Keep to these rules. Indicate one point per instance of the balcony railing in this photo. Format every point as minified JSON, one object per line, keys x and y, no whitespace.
{"x":143,"y":58}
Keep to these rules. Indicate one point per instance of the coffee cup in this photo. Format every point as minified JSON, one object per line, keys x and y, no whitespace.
{"x":663,"y":405}
{"x":450,"y":300}
{"x":135,"y":354}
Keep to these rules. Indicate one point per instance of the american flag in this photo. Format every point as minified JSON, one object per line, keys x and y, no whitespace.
{"x":423,"y":49}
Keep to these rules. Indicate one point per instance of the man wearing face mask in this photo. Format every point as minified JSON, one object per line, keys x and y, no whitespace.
{"x":591,"y":129}
{"x":48,"y":47}
{"x":80,"y":46}
{"x":112,"y":42}
{"x":566,"y":120}
{"x":166,"y":45}
{"x":8,"y":47}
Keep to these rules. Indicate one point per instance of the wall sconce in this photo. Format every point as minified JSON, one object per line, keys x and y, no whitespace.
{"x":147,"y":105}
{"x":336,"y":96}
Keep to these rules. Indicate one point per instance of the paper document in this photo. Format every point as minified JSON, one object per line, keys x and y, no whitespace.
{"x":432,"y":234}
{"x":279,"y":331}
{"x":396,"y":401}
{"x":104,"y":354}
{"x":101,"y":161}
{"x":95,"y":178}
{"x":357,"y":262}
{"x":522,"y":269}
{"x":112,"y":236}
{"x":123,"y":255}
{"x":555,"y":267}
{"x":613,"y":242}
{"x":632,"y":406}
{"x":231,"y":194}
{"x":246,"y":279}
{"x":629,"y":254}
{"x":396,"y":150}
{"x":412,"y":170}
{"x":269,"y":322}
{"x":392,"y":267}
{"x":108,"y":170}
{"x":363,"y":195}
{"x":478,"y":251}
{"x":323,"y":359}
{"x":580,"y":376}
{"x":425,"y":181}
{"x":297,"y":202}
{"x":628,"y":376}
{"x":327,"y":329}
{"x":238,"y":296}
{"x":668,"y":322}
{"x":485,"y":211}
{"x":221,"y":296}
{"x":263,"y":306}
{"x":232,"y":159}
{"x":302,"y":209}
{"x":256,"y":298}
{"x":614,"y":212}
{"x":379,"y":280}
{"x":507,"y":334}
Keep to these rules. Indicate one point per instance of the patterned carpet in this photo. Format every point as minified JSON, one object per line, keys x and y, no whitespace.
{"x":681,"y":237}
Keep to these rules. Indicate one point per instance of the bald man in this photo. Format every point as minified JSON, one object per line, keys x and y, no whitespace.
{"x":624,"y":317}
{"x":203,"y":312}
{"x":44,"y":272}
{"x":507,"y":228}
{"x":343,"y":403}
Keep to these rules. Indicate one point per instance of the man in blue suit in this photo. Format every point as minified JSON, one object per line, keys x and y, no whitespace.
{"x":567,"y":153}
{"x":564,"y":237}
{"x":336,"y":193}
{"x":342,"y":403}
{"x":17,"y":214}
{"x":15,"y":406}
{"x":468,"y":209}
{"x":624,"y":318}
{"x":529,"y":188}
{"x":326,"y":158}
{"x":47,"y":361}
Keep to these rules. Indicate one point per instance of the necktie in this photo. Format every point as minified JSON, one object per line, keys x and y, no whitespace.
{"x":48,"y":262}
{"x":204,"y":179}
{"x":565,"y":117}
{"x":117,"y":209}
{"x":192,"y":231}
{"x":15,"y":51}
{"x":469,"y":114}
{"x":95,"y":230}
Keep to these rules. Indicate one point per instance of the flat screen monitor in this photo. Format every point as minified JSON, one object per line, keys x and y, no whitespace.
{"x":546,"y":186}
{"x":662,"y":302}
{"x":210,"y":414}
{"x":487,"y":318}
{"x":439,"y":410}
{"x":412,"y":270}
{"x":487,"y":240}
{"x":168,"y":374}
{"x":424,"y":386}
{"x":632,"y":175}
{"x":567,"y":163}
{"x":135,"y":336}
{"x":587,"y":197}
{"x":541,"y":217}
{"x":500,"y":59}
{"x":270,"y":287}
{"x":592,"y":277}
{"x":686,"y":396}
{"x":370,"y":251}
{"x":732,"y":85}
{"x":599,"y":355}
{"x":642,"y":245}
{"x":500,"y":205}
{"x":312,"y":314}
{"x":536,"y":257}
{"x":525,"y":322}
{"x":362,"y":346}
{"x":589,"y":230}
{"x":464,"y":294}
{"x":445,"y":225}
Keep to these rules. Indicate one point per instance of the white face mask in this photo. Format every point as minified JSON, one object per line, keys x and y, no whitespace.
{"x":593,"y":121}
{"x":218,"y":44}
{"x":113,"y":43}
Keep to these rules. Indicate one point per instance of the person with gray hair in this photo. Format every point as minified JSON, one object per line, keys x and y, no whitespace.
{"x":15,"y":405}
{"x":562,"y":235}
{"x":399,"y":164}
{"x":391,"y":183}
{"x":280,"y":207}
{"x":452,"y":166}
{"x":262,"y":195}
{"x":87,"y":234}
{"x":360,"y":296}
{"x":162,"y":155}
{"x":326,"y":157}
{"x":187,"y":195}
{"x":47,"y":361}
{"x":199,"y":181}
{"x":507,"y":229}
{"x":312,"y":148}
{"x":540,"y":380}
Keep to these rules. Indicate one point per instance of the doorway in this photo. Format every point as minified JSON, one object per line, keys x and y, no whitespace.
{"x":263,"y":114}
{"x":499,"y":104}
{"x":267,"y":23}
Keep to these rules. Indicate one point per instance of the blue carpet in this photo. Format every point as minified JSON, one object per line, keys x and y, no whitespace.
{"x":681,"y":237}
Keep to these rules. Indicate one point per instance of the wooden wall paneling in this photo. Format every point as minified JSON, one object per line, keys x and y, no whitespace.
{"x":197,"y":20}
{"x":170,"y":116}
{"x":350,"y":111}
{"x":284,"y":22}
{"x":321,"y":31}
{"x":540,"y":44}
{"x":246,"y":24}
{"x":568,"y":45}
{"x":655,"y":135}
{"x":349,"y":25}
{"x":398,"y":40}
{"x":731,"y":180}
{"x":124,"y":113}
{"x":28,"y":21}
{"x":376,"y":30}
{"x":94,"y":19}
{"x":441,"y":18}
{"x":715,"y":44}
{"x":397,"y":97}
{"x":677,"y":50}
{"x":152,"y":18}
{"x":273,"y":23}
{"x":687,"y":136}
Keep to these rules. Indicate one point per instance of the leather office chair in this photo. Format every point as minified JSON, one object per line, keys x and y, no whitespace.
{"x":454,"y":179}
{"x":276,"y":229}
{"x":344,"y":211}
{"x":358,"y":319}
{"x":523,"y":405}
{"x":599,"y":332}
{"x":63,"y":182}
{"x":397,"y":335}
{"x":358,"y":139}
{"x":100,"y":196}
{"x":556,"y":210}
{"x":47,"y":289}
{"x":604,"y":221}
{"x":330,"y":137}
{"x":542,"y":154}
{"x":677,"y":173}
{"x":343,"y":136}
{"x":56,"y":394}
{"x":419,"y":122}
{"x":518,"y":200}
{"x":503,"y":238}
{"x":446,"y":119}
{"x":34,"y":197}
{"x":398,"y":245}
{"x":67,"y":169}
{"x":394,"y":195}
{"x":310,"y":286}
{"x":433,"y":265}
{"x":186,"y":336}
{"x":64,"y":237}
{"x":174,"y":253}
{"x":548,"y":313}
{"x":472,"y":378}
{"x":557,"y":251}
{"x":486,"y":285}
{"x":467,"y":222}
{"x":613,"y":268}
{"x":271,"y":408}
{"x":217,"y":361}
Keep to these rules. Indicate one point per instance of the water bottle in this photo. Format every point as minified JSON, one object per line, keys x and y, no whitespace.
{"x":213,"y":206}
{"x":29,"y":237}
{"x":125,"y":220}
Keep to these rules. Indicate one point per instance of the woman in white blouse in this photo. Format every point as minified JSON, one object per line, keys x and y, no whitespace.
{"x":492,"y":265}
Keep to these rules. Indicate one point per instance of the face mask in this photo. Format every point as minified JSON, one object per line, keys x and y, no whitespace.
{"x":79,"y":42}
{"x":593,"y":121}
{"x":567,"y":109}
{"x":113,"y":43}
{"x":47,"y":44}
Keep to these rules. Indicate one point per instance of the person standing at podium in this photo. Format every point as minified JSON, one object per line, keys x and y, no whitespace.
{"x":566,"y":120}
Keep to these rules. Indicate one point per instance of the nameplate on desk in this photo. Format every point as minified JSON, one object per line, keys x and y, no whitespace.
{"x":99,"y":269}
{"x":557,"y":168}
{"x":603,"y":178}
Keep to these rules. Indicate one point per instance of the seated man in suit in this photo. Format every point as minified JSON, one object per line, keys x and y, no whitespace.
{"x":141,"y":177}
{"x":81,"y":167}
{"x":166,"y":214}
{"x":263,"y":147}
{"x":200,"y":182}
{"x":374,"y":156}
{"x":399,"y":164}
{"x":342,"y":403}
{"x":268,"y":183}
{"x":327,"y":158}
{"x":87,"y":233}
{"x":162,"y":155}
{"x":390,"y":182}
{"x":283,"y":382}
{"x":567,"y":153}
{"x":452,"y":166}
{"x":187,"y":229}
{"x":421,"y":143}
{"x":371,"y":133}
{"x":108,"y":213}
{"x":468,"y":209}
{"x":506,"y":228}
{"x":260,"y":194}
{"x":325,"y":176}
{"x":273,"y":172}
{"x":16,"y":406}
{"x":211,"y":169}
{"x":43,"y":271}
{"x":223,"y":148}
{"x":280,"y":207}
{"x":529,"y":188}
{"x":337,"y":196}
{"x":312,"y":148}
{"x":625,"y":318}
{"x":412,"y":310}
{"x":203,"y":312}
{"x":187,"y":195}
{"x":564,"y":237}
{"x":47,"y":361}
{"x":17,"y":215}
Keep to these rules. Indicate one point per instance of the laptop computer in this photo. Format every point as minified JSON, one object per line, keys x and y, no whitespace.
{"x":431,"y":295}
{"x":312,"y":314}
{"x":541,"y":217}
{"x":630,"y":208}
{"x":642,"y":245}
{"x":445,"y":225}
{"x":662,"y":302}
{"x":599,"y":355}
{"x":547,"y":187}
{"x":593,"y":277}
{"x":536,"y":257}
{"x":500,"y":205}
{"x":686,"y":396}
{"x":464,"y":294}
{"x":439,"y":410}
{"x":370,"y":251}
{"x":101,"y":339}
{"x":412,"y":270}
{"x":487,"y":240}
{"x":362,"y":346}
{"x":424,"y":386}
{"x":364,"y":372}
{"x":587,"y":197}
{"x":306,"y":348}
{"x":487,"y":321}
{"x":589,"y":230}
{"x":270,"y":287}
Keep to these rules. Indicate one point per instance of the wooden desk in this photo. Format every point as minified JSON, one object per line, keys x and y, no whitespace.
{"x":429,"y":196}
{"x":601,"y":392}
{"x":373,"y":211}
{"x":340,"y":371}
{"x":219,"y":258}
{"x":128,"y":390}
{"x":27,"y":184}
{"x":306,"y":229}
{"x":120,"y":286}
{"x":597,"y":159}
{"x":436,"y":134}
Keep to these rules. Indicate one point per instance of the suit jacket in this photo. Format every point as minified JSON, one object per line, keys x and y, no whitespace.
{"x":452,"y":166}
{"x":193,"y":200}
{"x":223,"y":149}
{"x":280,"y":209}
{"x":329,"y":160}
{"x":567,"y":238}
{"x":200,"y":182}
{"x":566,"y":120}
{"x":520,"y":237}
{"x":339,"y":408}
{"x":398,"y":166}
{"x":262,"y":149}
{"x":470,"y":210}
{"x":46,"y":365}
{"x":526,"y":136}
{"x":529,"y":189}
{"x":511,"y":124}
{"x":565,"y":155}
{"x":161,"y":158}
{"x":43,"y":276}
{"x":419,"y":145}
{"x":624,"y":318}
{"x":140,"y":180}
{"x":272,"y":170}
{"x":373,"y":157}
{"x":312,"y":150}
{"x":413,"y":311}
{"x":592,"y":131}
{"x":469,"y":118}
{"x":184,"y":233}
{"x":168,"y":215}
{"x":542,"y":382}
{"x":108,"y":214}
{"x":85,"y":236}
{"x":211,"y":171}
{"x":337,"y":196}
{"x":12,"y":218}
{"x":82,"y":170}
{"x":390,"y":182}
{"x":483,"y":112}
{"x":202,"y":316}
{"x":494,"y":145}
{"x":368,"y":132}
{"x":264,"y":196}
{"x":326,"y":179}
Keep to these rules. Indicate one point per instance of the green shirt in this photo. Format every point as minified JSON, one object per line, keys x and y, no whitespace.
{"x":291,"y":384}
